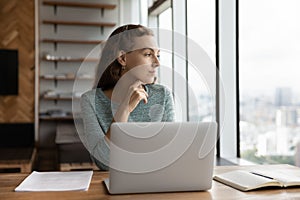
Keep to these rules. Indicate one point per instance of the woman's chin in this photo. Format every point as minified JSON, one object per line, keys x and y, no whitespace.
{"x":149,"y":80}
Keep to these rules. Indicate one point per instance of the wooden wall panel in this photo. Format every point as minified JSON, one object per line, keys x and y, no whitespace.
{"x":17,"y":32}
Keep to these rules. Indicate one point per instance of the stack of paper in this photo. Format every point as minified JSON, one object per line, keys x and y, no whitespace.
{"x":56,"y":181}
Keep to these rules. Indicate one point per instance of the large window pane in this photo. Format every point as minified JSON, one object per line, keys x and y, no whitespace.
{"x":269,"y":72}
{"x":201,"y":30}
{"x":165,"y":43}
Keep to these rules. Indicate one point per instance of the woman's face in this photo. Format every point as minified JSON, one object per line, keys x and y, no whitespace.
{"x":143,"y":60}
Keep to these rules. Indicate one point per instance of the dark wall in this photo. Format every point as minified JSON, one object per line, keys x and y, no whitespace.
{"x":17,"y":135}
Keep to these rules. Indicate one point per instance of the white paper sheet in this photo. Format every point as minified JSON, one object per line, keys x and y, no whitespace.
{"x":56,"y":181}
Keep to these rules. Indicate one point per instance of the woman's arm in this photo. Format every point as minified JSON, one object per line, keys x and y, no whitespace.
{"x":169,"y":109}
{"x":93,"y":136}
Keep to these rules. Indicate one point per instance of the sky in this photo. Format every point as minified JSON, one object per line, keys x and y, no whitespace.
{"x":269,"y":44}
{"x":269,"y":40}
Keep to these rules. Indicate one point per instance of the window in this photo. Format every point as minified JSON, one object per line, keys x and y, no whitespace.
{"x":165,"y":43}
{"x":269,"y":71}
{"x":184,"y":78}
{"x":201,"y":32}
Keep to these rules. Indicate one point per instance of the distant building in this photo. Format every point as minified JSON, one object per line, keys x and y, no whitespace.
{"x":283,"y":97}
{"x":286,"y":116}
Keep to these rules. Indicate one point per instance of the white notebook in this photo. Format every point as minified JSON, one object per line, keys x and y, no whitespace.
{"x":56,"y":181}
{"x":246,"y":181}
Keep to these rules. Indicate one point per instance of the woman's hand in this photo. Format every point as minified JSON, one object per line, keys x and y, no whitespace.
{"x":135,"y":94}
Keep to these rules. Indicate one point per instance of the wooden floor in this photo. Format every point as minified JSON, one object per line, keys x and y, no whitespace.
{"x":19,"y":158}
{"x":47,"y":160}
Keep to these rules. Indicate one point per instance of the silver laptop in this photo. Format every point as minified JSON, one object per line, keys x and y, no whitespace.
{"x":161,"y":157}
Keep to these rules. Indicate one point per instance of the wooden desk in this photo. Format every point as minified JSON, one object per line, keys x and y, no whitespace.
{"x":98,"y":191}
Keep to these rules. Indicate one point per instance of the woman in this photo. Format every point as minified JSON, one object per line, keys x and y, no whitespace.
{"x":126,"y":91}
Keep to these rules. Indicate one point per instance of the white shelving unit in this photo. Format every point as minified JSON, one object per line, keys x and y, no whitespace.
{"x":70,"y":32}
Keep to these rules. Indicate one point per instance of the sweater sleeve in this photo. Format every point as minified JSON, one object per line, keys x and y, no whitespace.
{"x":93,"y":136}
{"x":169,"y":112}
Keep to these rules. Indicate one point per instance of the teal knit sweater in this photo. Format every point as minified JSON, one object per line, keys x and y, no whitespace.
{"x":97,"y":113}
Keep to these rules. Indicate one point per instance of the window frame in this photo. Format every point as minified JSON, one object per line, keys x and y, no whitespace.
{"x":238,"y":107}
{"x":238,"y":152}
{"x":226,"y":41}
{"x":227,"y":55}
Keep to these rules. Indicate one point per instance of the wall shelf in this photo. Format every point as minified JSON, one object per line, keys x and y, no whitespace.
{"x":72,"y":60}
{"x":60,"y":98}
{"x":49,"y":118}
{"x":72,"y":41}
{"x":79,"y":23}
{"x":68,"y":38}
{"x":80,"y":4}
{"x":65,"y":79}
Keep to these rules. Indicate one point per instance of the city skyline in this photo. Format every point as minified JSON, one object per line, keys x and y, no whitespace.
{"x":270,"y":126}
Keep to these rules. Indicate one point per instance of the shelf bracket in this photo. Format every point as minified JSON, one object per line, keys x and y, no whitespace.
{"x":55,"y":64}
{"x":102,"y":30}
{"x":102,"y":12}
{"x":55,"y":9}
{"x":55,"y":28}
{"x":55,"y":46}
